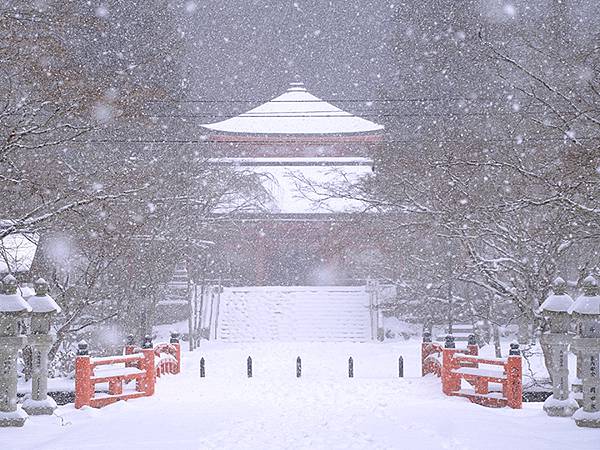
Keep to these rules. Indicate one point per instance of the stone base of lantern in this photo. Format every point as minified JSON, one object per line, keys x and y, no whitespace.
{"x":587,"y":419}
{"x":39,"y":407}
{"x":560,"y":408}
{"x":14,"y":418}
{"x":577,"y":388}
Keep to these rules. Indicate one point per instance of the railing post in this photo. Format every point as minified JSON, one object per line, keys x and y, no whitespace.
{"x":514,"y":380}
{"x":425,"y":351}
{"x":202,"y":368}
{"x":115,"y":387}
{"x":150,"y":377}
{"x":400,"y":367}
{"x":175,"y":343}
{"x":249,"y":367}
{"x":350,"y":367}
{"x":129,"y":349}
{"x":450,"y":382}
{"x":84,"y":389}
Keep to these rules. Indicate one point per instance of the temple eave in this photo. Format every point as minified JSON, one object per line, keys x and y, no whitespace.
{"x":299,"y":138}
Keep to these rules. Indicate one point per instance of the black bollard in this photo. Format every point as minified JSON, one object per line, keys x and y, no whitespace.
{"x":298,"y":367}
{"x":249,"y":363}
{"x":202,"y":372}
{"x":350,"y":367}
{"x":401,"y":367}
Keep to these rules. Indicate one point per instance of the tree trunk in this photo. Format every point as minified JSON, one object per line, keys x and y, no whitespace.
{"x":496,"y":335}
{"x":523,"y":332}
{"x":190,"y":317}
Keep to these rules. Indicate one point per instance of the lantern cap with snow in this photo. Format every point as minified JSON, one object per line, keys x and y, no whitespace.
{"x":43,"y":308}
{"x":556,"y":307}
{"x":586,"y":309}
{"x":12,"y":307}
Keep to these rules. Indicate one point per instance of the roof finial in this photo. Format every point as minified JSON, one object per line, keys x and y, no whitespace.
{"x":296,"y":85}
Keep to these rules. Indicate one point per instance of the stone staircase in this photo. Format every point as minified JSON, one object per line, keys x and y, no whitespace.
{"x":294,"y":313}
{"x":461,"y":332}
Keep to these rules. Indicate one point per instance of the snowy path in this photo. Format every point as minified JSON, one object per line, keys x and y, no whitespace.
{"x":322,"y":410}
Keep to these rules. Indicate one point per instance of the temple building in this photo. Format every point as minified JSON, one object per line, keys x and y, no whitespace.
{"x":307,"y":152}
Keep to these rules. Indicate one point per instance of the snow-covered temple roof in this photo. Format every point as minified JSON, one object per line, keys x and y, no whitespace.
{"x":295,"y":112}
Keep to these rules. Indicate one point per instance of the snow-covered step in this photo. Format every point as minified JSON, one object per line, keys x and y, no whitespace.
{"x":461,"y":332}
{"x":324,"y":313}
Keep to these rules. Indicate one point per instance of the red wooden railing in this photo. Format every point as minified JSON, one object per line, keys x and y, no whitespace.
{"x":454,"y":365}
{"x":431,"y":353}
{"x":465,"y":364}
{"x":168,"y":357}
{"x":457,"y":367}
{"x":91,"y":371}
{"x":142,"y":365}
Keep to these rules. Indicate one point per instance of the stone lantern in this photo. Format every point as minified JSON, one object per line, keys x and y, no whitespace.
{"x":12,"y":309}
{"x":43,"y":309}
{"x":555,"y":342}
{"x":586,"y":310}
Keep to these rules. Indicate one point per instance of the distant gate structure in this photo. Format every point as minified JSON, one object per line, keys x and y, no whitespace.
{"x":305,"y":151}
{"x":306,"y":233}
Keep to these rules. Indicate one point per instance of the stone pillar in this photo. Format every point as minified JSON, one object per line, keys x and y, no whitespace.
{"x":561,"y":403}
{"x":39,"y":403}
{"x":555,"y":344}
{"x":586,"y":310}
{"x":370,"y":289}
{"x":589,"y":414}
{"x":43,"y":308}
{"x":12,"y":308}
{"x":379,"y":312}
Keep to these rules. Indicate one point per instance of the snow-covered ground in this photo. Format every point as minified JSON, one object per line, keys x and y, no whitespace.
{"x":322,"y":410}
